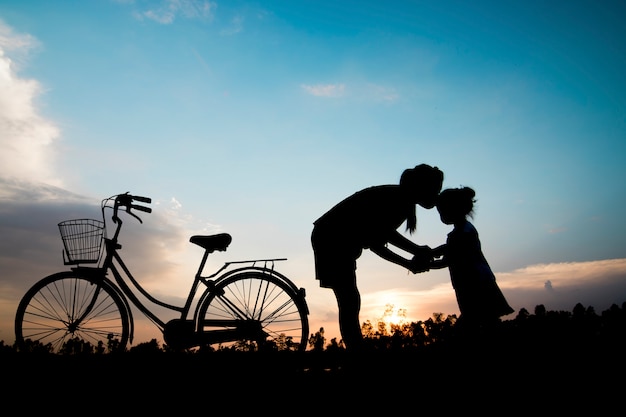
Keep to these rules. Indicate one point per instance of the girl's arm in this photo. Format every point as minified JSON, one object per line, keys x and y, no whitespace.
{"x":438,"y":264}
{"x":439,"y":251}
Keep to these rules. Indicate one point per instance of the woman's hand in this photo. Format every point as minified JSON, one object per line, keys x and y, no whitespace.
{"x":421,"y":260}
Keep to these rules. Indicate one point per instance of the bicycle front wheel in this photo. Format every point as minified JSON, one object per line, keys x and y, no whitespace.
{"x":259,"y":310}
{"x":71,"y":313}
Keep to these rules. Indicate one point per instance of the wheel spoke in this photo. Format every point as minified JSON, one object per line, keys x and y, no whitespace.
{"x":66,"y":308}
{"x":262,"y":299}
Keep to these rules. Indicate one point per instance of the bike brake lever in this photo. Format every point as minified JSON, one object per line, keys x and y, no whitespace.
{"x":133,"y":214}
{"x":141,"y":208}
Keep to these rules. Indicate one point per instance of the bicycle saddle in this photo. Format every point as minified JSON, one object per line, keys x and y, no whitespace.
{"x":219,"y":241}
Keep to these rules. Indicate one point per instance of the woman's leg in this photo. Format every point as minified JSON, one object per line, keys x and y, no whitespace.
{"x":349,"y":304}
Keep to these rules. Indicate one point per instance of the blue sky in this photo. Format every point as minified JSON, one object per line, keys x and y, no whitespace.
{"x":254,"y":118}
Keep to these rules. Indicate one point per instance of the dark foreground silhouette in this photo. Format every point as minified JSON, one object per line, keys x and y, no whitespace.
{"x":546,"y":362}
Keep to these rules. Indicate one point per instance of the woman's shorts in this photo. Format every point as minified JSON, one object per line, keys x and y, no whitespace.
{"x":335,"y":259}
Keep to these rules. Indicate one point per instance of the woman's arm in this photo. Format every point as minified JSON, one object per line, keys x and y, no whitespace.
{"x":419,"y":263}
{"x":387,"y":254}
{"x":401,"y":242}
{"x":439,"y":260}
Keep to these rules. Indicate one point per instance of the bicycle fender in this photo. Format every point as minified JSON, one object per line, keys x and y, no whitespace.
{"x":267,"y":271}
{"x":131,"y":327}
{"x":247,"y":269}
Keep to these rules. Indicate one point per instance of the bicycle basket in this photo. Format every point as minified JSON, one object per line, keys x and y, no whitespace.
{"x":82,"y":239}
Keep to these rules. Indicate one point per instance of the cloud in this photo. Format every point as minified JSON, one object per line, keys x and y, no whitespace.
{"x":175,"y":204}
{"x":30,"y":209}
{"x":18,"y":191}
{"x":560,"y":286}
{"x":236,"y":26}
{"x":563,"y":274}
{"x":365,"y":92}
{"x":325,"y":90}
{"x":168,"y":10}
{"x":381,"y":93}
{"x":157,"y":252}
{"x":26,"y":138}
{"x":10,"y":41}
{"x":557,"y":286}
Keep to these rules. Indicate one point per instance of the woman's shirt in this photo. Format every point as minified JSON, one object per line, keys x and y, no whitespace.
{"x":368,"y":217}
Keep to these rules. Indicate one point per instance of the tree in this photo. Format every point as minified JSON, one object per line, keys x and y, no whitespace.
{"x":317,"y":340}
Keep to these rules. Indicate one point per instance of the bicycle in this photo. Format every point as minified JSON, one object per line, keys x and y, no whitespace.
{"x":251,"y":307}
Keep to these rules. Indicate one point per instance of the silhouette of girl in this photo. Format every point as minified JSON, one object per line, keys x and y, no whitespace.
{"x":479,"y":298}
{"x":369,"y":219}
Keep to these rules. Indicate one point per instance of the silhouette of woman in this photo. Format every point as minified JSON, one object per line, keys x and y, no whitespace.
{"x":369,"y":219}
{"x":480,"y":300}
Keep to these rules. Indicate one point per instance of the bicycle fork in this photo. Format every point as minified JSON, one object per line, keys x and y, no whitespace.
{"x":74,"y":323}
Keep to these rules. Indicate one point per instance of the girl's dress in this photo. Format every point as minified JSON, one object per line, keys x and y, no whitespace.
{"x":478,"y":295}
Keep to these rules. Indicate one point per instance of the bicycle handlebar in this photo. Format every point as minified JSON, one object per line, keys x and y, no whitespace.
{"x":142,"y":199}
{"x":126,"y":200}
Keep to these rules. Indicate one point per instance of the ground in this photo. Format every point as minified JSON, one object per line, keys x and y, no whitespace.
{"x":486,"y":378}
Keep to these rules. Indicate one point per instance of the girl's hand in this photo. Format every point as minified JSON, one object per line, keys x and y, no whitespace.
{"x":421,"y":260}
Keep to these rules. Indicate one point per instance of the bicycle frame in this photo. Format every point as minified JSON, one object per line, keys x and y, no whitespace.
{"x":113,"y":259}
{"x":111,"y":251}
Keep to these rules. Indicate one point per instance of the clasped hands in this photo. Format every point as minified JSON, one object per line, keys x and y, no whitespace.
{"x":421,"y":260}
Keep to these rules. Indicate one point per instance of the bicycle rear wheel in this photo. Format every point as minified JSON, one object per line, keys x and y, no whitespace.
{"x":270,"y":313}
{"x":69,"y":313}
